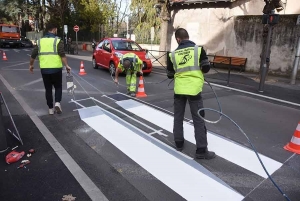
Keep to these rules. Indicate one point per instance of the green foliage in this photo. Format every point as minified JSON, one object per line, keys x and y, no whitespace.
{"x":92,"y":16}
{"x":94,"y":12}
{"x":10,"y":10}
{"x":143,"y":18}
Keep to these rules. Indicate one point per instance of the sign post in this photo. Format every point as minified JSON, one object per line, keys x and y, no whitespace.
{"x":152,"y":35}
{"x":66,"y":38}
{"x":66,"y":29}
{"x":76,"y":29}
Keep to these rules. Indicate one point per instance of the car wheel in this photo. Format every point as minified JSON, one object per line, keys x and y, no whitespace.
{"x":112,"y":68}
{"x":95,"y":66}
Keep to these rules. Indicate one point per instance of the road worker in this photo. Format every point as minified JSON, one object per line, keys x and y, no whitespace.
{"x":131,"y":64}
{"x":186,"y":65}
{"x":50,"y":50}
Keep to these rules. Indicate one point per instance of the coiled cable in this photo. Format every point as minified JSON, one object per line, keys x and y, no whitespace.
{"x":240,"y":129}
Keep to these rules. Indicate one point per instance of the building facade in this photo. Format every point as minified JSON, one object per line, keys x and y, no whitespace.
{"x":234,"y":28}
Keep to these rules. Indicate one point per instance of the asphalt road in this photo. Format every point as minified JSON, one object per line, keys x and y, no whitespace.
{"x":125,"y":146}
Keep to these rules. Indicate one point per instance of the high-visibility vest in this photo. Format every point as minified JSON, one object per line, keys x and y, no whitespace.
{"x":136,"y":61}
{"x":48,"y":55}
{"x":188,"y":76}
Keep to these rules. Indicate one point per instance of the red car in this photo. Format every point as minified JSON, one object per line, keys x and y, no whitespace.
{"x":108,"y":52}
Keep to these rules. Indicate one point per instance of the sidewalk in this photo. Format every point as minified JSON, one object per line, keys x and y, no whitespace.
{"x":275,"y":86}
{"x":46,"y":177}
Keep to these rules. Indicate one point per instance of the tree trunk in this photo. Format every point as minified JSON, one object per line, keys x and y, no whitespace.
{"x":165,"y":17}
{"x":43,"y":14}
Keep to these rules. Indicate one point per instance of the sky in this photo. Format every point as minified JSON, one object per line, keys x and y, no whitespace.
{"x":124,"y":3}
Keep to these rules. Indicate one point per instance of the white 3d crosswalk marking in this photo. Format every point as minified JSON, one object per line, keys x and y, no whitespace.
{"x":224,"y":148}
{"x":184,"y":179}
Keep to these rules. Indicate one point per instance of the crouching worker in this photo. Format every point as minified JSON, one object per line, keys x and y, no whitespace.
{"x":130,"y":63}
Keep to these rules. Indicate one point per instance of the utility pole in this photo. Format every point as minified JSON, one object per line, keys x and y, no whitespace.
{"x":270,"y":19}
{"x":296,"y":63}
{"x":266,"y":56}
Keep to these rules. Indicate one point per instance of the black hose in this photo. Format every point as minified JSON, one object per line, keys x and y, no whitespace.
{"x":240,"y":129}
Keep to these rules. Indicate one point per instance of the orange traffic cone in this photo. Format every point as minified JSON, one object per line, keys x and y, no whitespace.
{"x":82,"y":71}
{"x":141,"y":90}
{"x":4,"y":57}
{"x":294,"y":145}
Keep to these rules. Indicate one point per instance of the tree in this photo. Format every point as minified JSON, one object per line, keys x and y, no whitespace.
{"x":144,"y":17}
{"x":165,"y":17}
{"x":93,"y":12}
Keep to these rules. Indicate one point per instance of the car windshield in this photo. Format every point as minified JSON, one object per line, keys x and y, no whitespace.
{"x":9,"y":29}
{"x":125,"y":45}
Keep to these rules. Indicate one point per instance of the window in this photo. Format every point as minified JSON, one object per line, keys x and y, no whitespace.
{"x":9,"y":29}
{"x":125,"y":45}
{"x":100,"y":45}
{"x":106,"y":45}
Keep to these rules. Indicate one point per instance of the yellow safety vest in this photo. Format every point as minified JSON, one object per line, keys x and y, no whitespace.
{"x":48,"y":55}
{"x":135,"y":60}
{"x":188,"y":76}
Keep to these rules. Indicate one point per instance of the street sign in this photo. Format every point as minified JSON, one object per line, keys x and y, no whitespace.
{"x":66,"y":29}
{"x":152,"y":34}
{"x":76,"y":28}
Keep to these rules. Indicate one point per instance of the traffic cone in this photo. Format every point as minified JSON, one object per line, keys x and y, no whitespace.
{"x":4,"y":57}
{"x":141,"y":90}
{"x":294,"y":145}
{"x":82,"y":71}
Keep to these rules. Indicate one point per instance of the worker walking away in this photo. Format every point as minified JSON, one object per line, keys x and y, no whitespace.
{"x":187,"y":65}
{"x":130,"y":63}
{"x":50,"y":50}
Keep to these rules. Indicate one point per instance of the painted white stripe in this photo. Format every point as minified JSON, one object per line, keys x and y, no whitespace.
{"x":298,"y":127}
{"x":85,"y":182}
{"x":30,"y":83}
{"x":224,"y":148}
{"x":26,"y":50}
{"x":246,"y":92}
{"x":254,"y":94}
{"x":183,"y":178}
{"x":295,"y":140}
{"x":16,"y":50}
{"x":16,"y":65}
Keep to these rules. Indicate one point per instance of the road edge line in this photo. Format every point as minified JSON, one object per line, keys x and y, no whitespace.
{"x":85,"y":182}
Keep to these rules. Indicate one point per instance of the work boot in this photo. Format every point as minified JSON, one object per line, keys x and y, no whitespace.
{"x":179,"y":145}
{"x":58,"y":108}
{"x":132,"y":94}
{"x":204,"y":154}
{"x":51,"y":111}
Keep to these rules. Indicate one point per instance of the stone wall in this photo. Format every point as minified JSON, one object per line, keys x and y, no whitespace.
{"x":247,"y":39}
{"x":236,"y":30}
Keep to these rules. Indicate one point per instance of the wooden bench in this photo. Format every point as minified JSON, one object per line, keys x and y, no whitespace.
{"x":230,"y":61}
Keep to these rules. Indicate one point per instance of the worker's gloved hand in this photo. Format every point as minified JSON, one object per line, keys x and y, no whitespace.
{"x":170,"y":74}
{"x":68,"y":68}
{"x":116,"y":81}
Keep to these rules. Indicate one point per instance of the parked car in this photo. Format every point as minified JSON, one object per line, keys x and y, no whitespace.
{"x":26,"y":43}
{"x":108,"y":52}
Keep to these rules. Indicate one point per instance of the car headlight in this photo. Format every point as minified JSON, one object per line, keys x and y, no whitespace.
{"x":147,"y":56}
{"x":118,"y":54}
